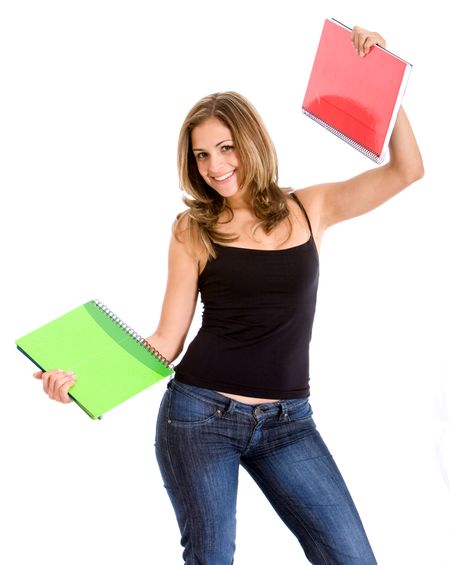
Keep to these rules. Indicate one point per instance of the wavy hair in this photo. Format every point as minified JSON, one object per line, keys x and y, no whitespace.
{"x":258,"y":168}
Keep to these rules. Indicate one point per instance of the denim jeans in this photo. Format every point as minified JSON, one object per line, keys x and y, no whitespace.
{"x":202,"y":437}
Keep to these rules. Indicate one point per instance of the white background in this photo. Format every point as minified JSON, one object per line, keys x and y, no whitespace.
{"x":92,"y":97}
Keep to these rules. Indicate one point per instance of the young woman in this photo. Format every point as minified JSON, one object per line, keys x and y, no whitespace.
{"x":240,"y":395}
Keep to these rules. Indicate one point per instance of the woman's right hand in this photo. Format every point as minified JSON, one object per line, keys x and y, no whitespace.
{"x":56,"y":384}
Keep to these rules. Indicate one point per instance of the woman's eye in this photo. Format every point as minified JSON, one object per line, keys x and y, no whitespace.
{"x":201,"y":155}
{"x":227,"y":148}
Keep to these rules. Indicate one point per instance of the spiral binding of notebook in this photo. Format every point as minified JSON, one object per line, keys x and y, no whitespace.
{"x":133,"y":333}
{"x":377,"y":158}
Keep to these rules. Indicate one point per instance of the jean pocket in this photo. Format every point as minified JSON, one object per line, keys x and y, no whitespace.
{"x":185,"y":410}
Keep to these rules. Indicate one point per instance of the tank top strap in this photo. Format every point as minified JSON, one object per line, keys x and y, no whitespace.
{"x":295,"y":197}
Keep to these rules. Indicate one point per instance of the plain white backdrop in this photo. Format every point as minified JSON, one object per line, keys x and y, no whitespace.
{"x":91,"y":100}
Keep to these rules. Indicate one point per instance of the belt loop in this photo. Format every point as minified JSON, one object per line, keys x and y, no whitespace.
{"x":231,"y":406}
{"x":283,"y":412}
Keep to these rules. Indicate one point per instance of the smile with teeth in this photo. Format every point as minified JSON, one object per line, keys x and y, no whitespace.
{"x":224,"y":177}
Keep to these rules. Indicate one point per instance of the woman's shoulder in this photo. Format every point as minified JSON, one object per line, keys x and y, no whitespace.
{"x":186,"y":234}
{"x":183,"y":230}
{"x":181,"y":223}
{"x":312,"y":199}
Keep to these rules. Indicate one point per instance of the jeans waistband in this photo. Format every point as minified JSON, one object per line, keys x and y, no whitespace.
{"x":277,"y":408}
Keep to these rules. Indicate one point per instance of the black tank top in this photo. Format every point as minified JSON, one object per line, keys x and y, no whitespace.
{"x":258,"y":312}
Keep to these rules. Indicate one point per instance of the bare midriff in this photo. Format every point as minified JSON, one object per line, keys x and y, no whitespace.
{"x":248,"y":399}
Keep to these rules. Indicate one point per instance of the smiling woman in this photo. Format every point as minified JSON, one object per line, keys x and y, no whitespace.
{"x":240,"y":395}
{"x":215,"y":120}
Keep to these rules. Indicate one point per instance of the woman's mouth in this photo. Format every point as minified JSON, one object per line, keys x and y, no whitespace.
{"x":224,"y":178}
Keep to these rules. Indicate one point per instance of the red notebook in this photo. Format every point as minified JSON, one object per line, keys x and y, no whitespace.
{"x":356,"y":98}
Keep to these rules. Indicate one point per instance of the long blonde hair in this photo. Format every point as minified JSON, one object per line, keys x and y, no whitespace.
{"x":258,"y":168}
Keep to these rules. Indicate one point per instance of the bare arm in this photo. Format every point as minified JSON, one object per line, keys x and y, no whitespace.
{"x":331,"y":203}
{"x":179,"y":302}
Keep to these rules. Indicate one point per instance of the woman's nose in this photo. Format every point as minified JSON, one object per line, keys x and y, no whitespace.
{"x":216,"y":162}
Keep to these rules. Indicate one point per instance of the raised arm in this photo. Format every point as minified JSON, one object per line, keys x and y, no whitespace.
{"x":331,"y":203}
{"x":179,"y":302}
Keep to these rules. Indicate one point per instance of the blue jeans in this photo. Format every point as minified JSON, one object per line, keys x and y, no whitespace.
{"x":202,"y":437}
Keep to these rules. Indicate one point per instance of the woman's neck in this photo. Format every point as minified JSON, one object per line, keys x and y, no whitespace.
{"x":239,"y":201}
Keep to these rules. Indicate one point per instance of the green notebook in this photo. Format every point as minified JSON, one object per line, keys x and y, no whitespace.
{"x":111,"y":361}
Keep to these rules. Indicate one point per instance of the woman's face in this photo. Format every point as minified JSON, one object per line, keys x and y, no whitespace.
{"x":216,"y":157}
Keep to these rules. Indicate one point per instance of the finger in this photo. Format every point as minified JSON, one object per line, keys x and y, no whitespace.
{"x":54,"y":383}
{"x":381,"y":41}
{"x":61,"y":391}
{"x":45,"y":378}
{"x":371,"y":40}
{"x":48,"y":380}
{"x":367,"y":44}
{"x":363,"y":40}
{"x":38,"y":374}
{"x":358,"y":38}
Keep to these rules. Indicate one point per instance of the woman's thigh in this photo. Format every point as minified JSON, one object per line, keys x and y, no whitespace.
{"x":298,"y":475}
{"x":199,"y":466}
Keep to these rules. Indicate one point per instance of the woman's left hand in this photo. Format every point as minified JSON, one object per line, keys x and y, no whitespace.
{"x":363,"y":40}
